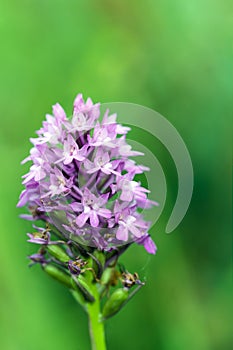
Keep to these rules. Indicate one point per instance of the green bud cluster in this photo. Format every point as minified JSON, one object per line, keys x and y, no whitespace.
{"x":91,"y":275}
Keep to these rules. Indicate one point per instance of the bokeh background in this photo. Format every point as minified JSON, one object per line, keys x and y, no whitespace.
{"x":174,"y":57}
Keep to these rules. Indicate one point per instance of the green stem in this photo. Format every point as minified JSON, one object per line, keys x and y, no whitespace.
{"x":96,"y":326}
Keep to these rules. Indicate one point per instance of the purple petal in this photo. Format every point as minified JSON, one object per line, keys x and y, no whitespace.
{"x":81,"y":219}
{"x":78,"y":103}
{"x":22,"y":199}
{"x":135,"y":231}
{"x":106,"y":213}
{"x":122,"y":233}
{"x":126,"y":196}
{"x":148,"y":244}
{"x":59,"y":112}
{"x":76,"y":206}
{"x":94,"y":220}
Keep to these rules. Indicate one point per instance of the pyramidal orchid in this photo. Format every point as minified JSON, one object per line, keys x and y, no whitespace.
{"x":81,"y":186}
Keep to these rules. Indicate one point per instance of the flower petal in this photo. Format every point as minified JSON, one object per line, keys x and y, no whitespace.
{"x":122,"y":233}
{"x":94,"y":220}
{"x":81,"y":219}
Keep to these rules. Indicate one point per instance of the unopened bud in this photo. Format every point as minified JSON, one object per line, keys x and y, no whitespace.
{"x":58,"y":275}
{"x":110,"y":277}
{"x":80,"y":284}
{"x":58,"y":253}
{"x":98,"y":259}
{"x":115,"y":302}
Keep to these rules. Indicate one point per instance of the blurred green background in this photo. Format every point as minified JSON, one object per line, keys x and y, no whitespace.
{"x":174,"y":57}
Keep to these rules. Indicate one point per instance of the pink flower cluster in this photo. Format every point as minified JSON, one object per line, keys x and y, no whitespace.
{"x":82,"y":176}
